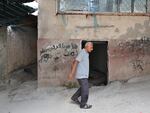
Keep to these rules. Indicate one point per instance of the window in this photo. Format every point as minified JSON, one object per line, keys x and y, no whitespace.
{"x":73,"y":5}
{"x":140,"y":6}
{"x":104,"y":6}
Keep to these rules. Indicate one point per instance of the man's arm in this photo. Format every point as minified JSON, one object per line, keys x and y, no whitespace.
{"x":73,"y":70}
{"x":75,"y":64}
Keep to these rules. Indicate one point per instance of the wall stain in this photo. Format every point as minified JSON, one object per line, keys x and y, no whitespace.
{"x":137,"y":31}
{"x":64,"y":20}
{"x":95,"y":23}
{"x":135,"y":51}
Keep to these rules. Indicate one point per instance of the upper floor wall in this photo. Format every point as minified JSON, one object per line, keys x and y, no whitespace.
{"x":90,"y":27}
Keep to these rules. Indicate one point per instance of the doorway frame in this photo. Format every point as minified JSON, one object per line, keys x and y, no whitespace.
{"x":107,"y":52}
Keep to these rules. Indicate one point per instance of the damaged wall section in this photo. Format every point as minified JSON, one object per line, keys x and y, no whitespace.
{"x":129,"y":58}
{"x":129,"y":55}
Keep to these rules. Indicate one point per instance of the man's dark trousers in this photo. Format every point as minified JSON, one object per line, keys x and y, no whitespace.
{"x":83,"y":91}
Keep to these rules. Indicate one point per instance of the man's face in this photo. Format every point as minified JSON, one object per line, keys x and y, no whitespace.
{"x":90,"y":48}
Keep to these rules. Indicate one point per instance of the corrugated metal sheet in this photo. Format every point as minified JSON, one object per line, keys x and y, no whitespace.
{"x":11,"y":11}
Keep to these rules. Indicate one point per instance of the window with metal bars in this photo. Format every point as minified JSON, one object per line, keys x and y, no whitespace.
{"x":102,"y":6}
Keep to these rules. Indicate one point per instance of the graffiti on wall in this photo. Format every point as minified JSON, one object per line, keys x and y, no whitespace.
{"x":138,"y":64}
{"x":55,"y":51}
{"x":138,"y":48}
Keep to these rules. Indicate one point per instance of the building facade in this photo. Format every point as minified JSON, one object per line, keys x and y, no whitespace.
{"x":123,"y":27}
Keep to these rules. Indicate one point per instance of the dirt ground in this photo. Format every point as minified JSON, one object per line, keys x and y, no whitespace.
{"x":132,"y":96}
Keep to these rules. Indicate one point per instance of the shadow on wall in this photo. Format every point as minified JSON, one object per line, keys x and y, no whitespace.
{"x":22,"y":47}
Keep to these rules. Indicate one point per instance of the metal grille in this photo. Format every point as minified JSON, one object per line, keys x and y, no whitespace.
{"x":105,"y":5}
{"x":73,"y":5}
{"x":93,"y":5}
{"x":148,"y":6}
{"x":125,"y":6}
{"x":140,"y":6}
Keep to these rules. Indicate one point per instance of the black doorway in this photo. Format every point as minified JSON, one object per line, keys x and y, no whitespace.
{"x":98,"y":59}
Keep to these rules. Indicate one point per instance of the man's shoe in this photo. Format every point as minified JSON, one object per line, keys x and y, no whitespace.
{"x":86,"y":106}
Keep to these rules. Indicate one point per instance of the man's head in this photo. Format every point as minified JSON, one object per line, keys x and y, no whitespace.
{"x":89,"y":47}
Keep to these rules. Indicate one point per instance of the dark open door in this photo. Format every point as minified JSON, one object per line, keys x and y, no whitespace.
{"x":98,"y":63}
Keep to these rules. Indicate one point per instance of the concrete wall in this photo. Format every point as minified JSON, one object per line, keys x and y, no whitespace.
{"x":128,"y":39}
{"x":18,"y":48}
{"x":55,"y":59}
{"x":3,"y":52}
{"x":22,"y":47}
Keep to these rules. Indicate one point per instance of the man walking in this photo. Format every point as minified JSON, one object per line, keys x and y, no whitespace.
{"x":80,"y":68}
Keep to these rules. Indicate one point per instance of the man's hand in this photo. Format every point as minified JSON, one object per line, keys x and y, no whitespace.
{"x":70,"y":76}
